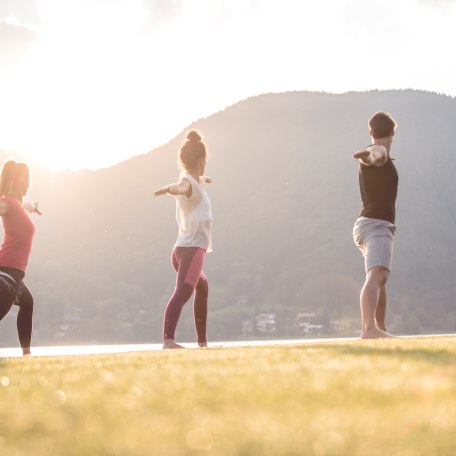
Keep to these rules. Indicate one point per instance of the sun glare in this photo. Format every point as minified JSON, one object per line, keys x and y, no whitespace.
{"x":76,"y":100}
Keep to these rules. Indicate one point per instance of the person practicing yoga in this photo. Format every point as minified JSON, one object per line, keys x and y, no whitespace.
{"x":15,"y":250}
{"x":375,"y":227}
{"x":194,"y":217}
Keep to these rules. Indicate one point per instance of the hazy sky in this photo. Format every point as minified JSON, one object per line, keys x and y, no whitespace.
{"x":88,"y":83}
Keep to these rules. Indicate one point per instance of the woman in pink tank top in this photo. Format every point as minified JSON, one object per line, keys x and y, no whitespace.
{"x":15,"y":250}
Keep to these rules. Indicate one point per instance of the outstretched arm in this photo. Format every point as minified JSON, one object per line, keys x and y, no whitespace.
{"x":31,"y":207}
{"x":374,"y":155}
{"x":183,"y":187}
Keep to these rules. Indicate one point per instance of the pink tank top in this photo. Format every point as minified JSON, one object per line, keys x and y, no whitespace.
{"x":19,"y":231}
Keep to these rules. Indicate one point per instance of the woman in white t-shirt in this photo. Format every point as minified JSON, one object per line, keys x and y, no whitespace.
{"x":194,"y":217}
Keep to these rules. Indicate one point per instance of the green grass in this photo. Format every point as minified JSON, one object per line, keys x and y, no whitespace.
{"x":381,"y":397}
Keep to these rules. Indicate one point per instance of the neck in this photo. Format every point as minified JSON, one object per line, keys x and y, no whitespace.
{"x":196,"y":174}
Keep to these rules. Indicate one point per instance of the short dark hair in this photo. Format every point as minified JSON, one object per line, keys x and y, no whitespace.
{"x":382,"y":125}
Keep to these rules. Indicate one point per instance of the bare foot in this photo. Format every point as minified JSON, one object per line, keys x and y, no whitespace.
{"x":169,"y":343}
{"x":26,"y":352}
{"x":375,"y":334}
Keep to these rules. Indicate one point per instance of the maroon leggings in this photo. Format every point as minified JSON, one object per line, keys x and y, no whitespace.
{"x":188,"y":263}
{"x":13,"y":291}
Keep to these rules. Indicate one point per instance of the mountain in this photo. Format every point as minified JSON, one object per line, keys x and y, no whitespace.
{"x":284,"y":201}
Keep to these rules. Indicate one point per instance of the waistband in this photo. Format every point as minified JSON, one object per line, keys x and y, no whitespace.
{"x":4,"y":274}
{"x":361,"y":219}
{"x":16,"y":275}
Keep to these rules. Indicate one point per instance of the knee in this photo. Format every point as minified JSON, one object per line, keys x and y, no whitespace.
{"x":182,"y":294}
{"x":378,"y":275}
{"x":26,"y":302}
{"x":6,"y":299}
{"x":203,"y":286}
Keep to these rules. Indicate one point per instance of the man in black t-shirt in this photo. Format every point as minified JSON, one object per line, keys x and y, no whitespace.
{"x":374,"y":229}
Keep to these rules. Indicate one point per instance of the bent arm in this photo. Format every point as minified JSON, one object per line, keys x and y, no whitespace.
{"x":183,"y":187}
{"x":375,"y":155}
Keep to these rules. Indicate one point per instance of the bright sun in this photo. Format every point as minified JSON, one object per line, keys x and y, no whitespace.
{"x":80,"y":98}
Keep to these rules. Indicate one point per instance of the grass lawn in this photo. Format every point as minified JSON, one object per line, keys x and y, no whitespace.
{"x":381,"y":397}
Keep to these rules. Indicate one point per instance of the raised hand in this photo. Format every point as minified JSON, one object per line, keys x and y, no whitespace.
{"x":31,"y":207}
{"x":207,"y":179}
{"x":361,"y":154}
{"x":36,"y":209}
{"x":162,"y":191}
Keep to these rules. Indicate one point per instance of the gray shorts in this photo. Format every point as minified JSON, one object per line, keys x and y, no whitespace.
{"x":375,"y":238}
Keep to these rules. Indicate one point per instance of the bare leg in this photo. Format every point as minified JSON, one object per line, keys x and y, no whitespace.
{"x":375,"y":279}
{"x":380,"y":313}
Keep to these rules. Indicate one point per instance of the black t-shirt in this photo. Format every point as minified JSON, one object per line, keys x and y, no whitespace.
{"x":378,"y":187}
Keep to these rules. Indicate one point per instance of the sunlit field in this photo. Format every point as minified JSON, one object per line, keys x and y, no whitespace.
{"x":381,"y":397}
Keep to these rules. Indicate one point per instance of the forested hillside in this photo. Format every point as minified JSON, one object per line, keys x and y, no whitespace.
{"x":285,"y":196}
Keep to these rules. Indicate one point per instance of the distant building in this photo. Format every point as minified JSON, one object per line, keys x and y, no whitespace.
{"x":340,"y":325}
{"x":311,"y":330}
{"x":306,"y":316}
{"x":305,"y":322}
{"x":263,"y":324}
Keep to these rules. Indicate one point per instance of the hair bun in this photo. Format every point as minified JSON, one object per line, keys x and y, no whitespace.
{"x":193,"y":136}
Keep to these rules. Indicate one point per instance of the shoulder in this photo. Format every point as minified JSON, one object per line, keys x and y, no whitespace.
{"x":194,"y":183}
{"x":185,"y":182}
{"x":186,"y":185}
{"x":377,"y":148}
{"x":379,"y":154}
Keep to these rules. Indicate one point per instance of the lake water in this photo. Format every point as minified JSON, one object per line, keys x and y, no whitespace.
{"x":80,"y":350}
{"x":125,"y":348}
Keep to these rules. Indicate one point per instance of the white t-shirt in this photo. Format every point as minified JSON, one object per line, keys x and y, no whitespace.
{"x":194,"y":217}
